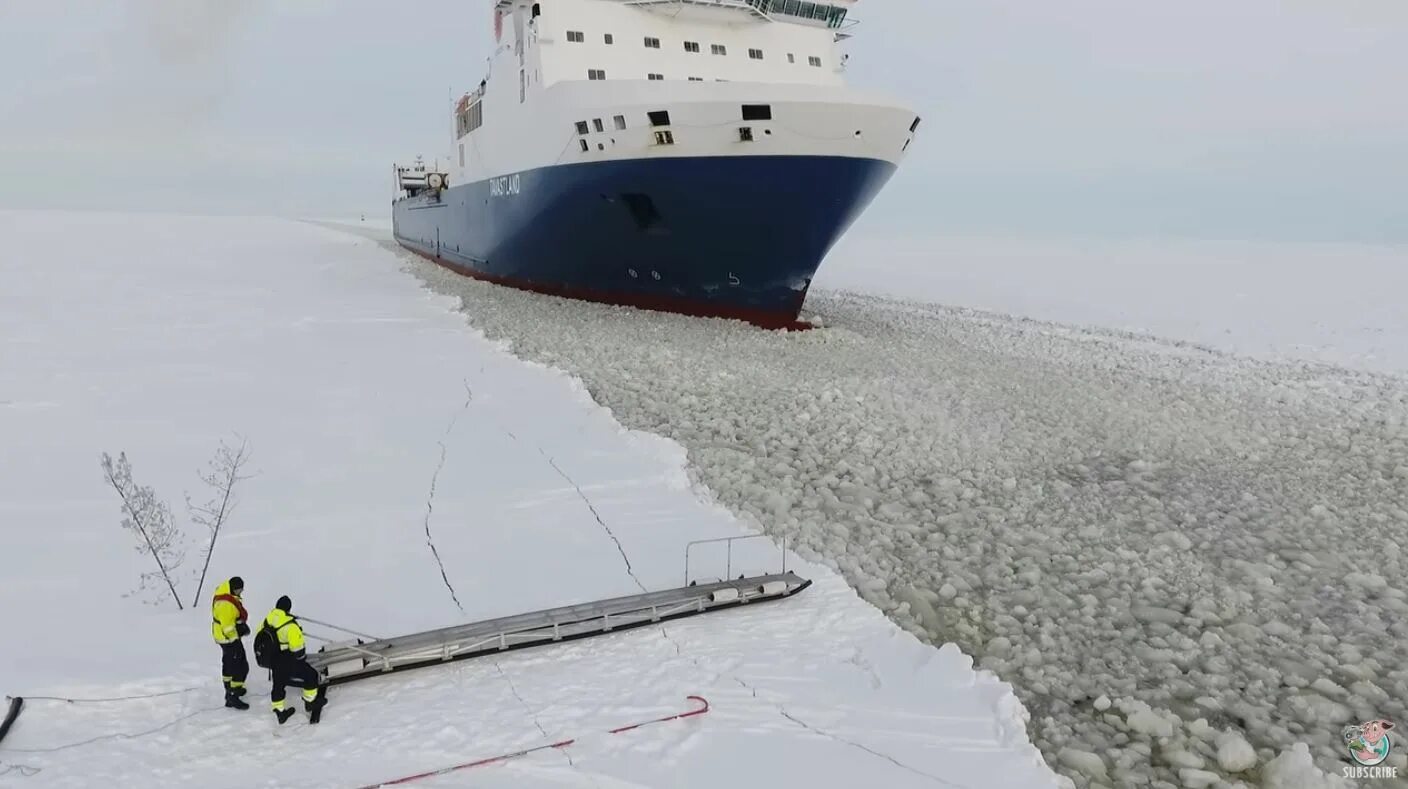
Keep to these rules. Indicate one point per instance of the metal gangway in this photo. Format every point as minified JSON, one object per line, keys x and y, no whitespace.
{"x":347,"y":661}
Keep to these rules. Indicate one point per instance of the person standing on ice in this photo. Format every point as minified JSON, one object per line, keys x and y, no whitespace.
{"x":291,"y":662}
{"x":229,"y":626}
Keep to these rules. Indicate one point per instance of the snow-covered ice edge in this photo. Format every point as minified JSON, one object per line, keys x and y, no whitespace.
{"x":378,"y":421}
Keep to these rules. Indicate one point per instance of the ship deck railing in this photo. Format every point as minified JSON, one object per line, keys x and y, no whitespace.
{"x":831,"y":16}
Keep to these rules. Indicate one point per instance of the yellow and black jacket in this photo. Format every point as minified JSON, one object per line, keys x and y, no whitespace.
{"x":288,"y":632}
{"x":227,"y":613}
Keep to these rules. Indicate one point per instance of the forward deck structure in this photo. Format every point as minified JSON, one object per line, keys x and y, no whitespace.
{"x":695,"y":156}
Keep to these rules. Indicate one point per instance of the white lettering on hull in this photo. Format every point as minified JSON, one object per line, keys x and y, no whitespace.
{"x":505,"y":185}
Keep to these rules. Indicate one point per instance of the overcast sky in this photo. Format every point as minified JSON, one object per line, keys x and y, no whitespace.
{"x":1210,"y":118}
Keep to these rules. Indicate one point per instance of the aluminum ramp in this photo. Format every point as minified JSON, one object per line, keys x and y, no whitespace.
{"x":347,"y":662}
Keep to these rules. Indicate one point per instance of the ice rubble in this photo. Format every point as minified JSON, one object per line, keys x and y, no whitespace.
{"x":1185,"y":562}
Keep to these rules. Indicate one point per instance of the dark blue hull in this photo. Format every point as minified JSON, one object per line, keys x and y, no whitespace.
{"x":737,"y":237}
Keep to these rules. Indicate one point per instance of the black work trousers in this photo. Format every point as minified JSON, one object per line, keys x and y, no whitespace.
{"x":291,"y":671}
{"x":234,"y":665}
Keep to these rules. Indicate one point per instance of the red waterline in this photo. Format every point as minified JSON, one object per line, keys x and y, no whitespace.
{"x":760,"y":318}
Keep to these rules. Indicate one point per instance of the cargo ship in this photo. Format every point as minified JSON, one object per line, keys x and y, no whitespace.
{"x":692,"y":156}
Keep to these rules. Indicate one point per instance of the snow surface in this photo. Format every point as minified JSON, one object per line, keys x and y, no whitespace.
{"x":375,"y":414}
{"x":363,"y":222}
{"x":1211,"y":542}
{"x":1340,"y":304}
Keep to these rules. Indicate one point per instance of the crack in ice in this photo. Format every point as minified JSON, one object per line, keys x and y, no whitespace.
{"x":531,"y":714}
{"x":430,"y":499}
{"x":629,"y":570}
{"x":781,"y":710}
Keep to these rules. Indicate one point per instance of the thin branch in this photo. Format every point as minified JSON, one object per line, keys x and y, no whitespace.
{"x":225,"y":473}
{"x":139,"y":524}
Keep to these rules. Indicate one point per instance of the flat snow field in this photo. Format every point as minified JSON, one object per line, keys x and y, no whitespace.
{"x":1188,"y":563}
{"x":1341,"y":304}
{"x":385,"y":432}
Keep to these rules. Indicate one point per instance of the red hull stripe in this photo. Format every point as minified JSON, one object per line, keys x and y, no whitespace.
{"x":761,"y":318}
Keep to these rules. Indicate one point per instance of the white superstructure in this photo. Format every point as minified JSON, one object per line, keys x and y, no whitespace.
{"x":594,"y":80}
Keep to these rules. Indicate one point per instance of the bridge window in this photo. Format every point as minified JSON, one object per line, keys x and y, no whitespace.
{"x":659,"y":118}
{"x":696,"y":79}
{"x":719,"y":49}
{"x":815,"y":61}
{"x":757,"y":112}
{"x":652,"y":43}
{"x":756,"y":54}
{"x":582,"y":127}
{"x":655,"y":77}
{"x":610,"y":39}
{"x":576,"y":36}
{"x":597,"y":123}
{"x":691,"y":46}
{"x":596,"y":73}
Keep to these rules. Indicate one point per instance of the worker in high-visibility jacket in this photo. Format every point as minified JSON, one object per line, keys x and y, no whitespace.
{"x":229,"y":626}
{"x":291,"y":664}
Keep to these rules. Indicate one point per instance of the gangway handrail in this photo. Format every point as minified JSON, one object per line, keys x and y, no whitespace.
{"x":346,"y":662}
{"x":311,"y":620}
{"x":728,"y":563}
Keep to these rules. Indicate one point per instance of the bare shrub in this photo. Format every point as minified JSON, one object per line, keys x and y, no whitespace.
{"x":220,"y":477}
{"x":150,"y":522}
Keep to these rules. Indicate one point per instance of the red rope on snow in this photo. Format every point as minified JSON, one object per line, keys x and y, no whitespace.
{"x":559,"y":744}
